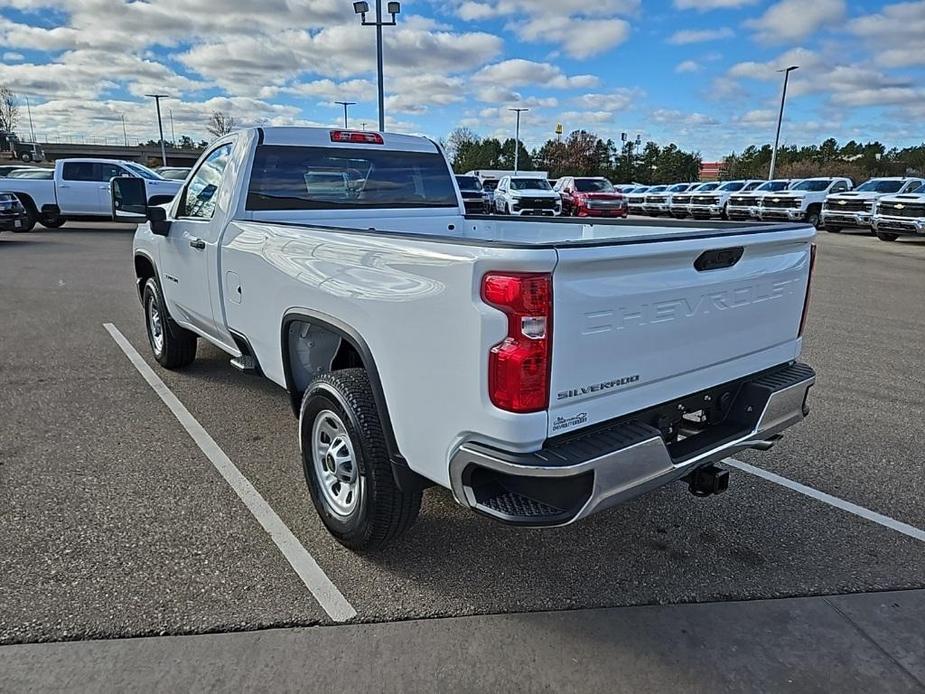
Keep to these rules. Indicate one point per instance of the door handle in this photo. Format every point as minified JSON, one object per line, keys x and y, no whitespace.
{"x":198,"y":244}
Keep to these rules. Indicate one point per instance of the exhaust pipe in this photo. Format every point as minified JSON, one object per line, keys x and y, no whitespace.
{"x":708,"y":480}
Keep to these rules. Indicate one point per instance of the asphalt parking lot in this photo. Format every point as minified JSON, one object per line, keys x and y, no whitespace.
{"x":115,"y":524}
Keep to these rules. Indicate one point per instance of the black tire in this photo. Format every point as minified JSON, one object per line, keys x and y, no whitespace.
{"x":52,"y":221}
{"x":177,"y":346}
{"x":812,"y":217}
{"x":26,"y":157}
{"x":885,"y":236}
{"x":382,"y":512}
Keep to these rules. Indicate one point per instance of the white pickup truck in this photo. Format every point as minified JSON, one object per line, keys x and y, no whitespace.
{"x":856,"y":208}
{"x":79,"y":190}
{"x":802,"y":201}
{"x":901,"y":215}
{"x":541,"y":370}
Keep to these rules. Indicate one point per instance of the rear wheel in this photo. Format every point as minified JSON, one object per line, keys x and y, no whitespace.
{"x":173,"y":347}
{"x":885,"y":236}
{"x":346,"y":463}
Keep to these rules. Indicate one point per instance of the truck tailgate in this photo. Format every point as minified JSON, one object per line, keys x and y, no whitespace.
{"x":638,"y":324}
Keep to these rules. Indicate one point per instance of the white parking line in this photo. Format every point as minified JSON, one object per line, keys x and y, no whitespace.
{"x":325,"y":592}
{"x":867,"y":514}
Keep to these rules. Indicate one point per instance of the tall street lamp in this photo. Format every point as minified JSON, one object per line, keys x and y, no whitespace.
{"x":780,"y":118}
{"x":517,"y":111}
{"x":345,"y":104}
{"x":393,"y":8}
{"x":160,"y":126}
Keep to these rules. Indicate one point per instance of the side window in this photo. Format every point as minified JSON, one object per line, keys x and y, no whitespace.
{"x":199,"y":196}
{"x":839,"y":187}
{"x":106,"y":172}
{"x":78,"y":171}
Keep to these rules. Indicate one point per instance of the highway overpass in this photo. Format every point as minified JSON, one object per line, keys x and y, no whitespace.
{"x":143,"y":155}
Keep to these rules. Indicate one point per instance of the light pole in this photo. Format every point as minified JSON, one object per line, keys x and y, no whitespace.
{"x":124,"y":133}
{"x":160,"y":126}
{"x":345,"y":104}
{"x":31,"y":127}
{"x":393,"y":8}
{"x":517,"y":111}
{"x":780,"y":118}
{"x":173,"y":134}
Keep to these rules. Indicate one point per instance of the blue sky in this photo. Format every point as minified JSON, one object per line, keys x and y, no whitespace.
{"x":700,"y":73}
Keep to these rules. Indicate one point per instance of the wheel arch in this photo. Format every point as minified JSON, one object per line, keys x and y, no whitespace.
{"x":351,"y":343}
{"x":144,"y":268}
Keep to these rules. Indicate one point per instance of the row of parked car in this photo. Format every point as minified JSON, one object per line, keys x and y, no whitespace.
{"x":888,"y":207}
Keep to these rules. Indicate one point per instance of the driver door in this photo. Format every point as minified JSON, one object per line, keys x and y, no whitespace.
{"x":189,"y":256}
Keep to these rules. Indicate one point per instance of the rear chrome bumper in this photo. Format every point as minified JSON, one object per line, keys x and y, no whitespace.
{"x":591,"y":471}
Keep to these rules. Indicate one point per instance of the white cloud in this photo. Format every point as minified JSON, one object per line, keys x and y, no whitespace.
{"x":617,"y":100}
{"x":681,"y":119}
{"x":687,"y":66}
{"x":706,"y":5}
{"x":518,"y":72}
{"x":894,"y":34}
{"x":794,"y":20}
{"x":686,"y":36}
{"x":580,"y":28}
{"x":13,"y":57}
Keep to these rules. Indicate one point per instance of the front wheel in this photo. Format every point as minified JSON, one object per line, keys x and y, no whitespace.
{"x":347,"y":466}
{"x":26,"y":157}
{"x":885,"y":236}
{"x":812,"y":218}
{"x":173,"y":347}
{"x":52,"y":221}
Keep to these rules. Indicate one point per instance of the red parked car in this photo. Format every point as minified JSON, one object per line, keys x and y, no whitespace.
{"x":590,"y":197}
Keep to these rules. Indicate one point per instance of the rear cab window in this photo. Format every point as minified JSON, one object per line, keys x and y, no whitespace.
{"x":291,"y":177}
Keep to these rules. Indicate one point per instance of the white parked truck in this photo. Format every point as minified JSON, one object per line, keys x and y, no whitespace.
{"x":541,"y":370}
{"x":705,"y":205}
{"x":79,"y":190}
{"x":657,"y":204}
{"x":856,"y":208}
{"x":679,"y":208}
{"x":802,"y":201}
{"x":745,"y":205}
{"x":900,"y":215}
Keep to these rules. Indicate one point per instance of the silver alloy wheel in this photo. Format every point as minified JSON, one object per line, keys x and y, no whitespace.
{"x":335,"y":463}
{"x":155,"y":327}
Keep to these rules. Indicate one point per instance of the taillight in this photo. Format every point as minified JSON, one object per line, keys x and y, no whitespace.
{"x":809,"y":283}
{"x":518,"y":366}
{"x":356,"y":137}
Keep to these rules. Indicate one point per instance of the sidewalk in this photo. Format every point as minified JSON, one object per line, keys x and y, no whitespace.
{"x":864,"y":642}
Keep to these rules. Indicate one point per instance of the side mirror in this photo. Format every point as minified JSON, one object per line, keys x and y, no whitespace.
{"x":157,"y":216}
{"x":129,"y":199}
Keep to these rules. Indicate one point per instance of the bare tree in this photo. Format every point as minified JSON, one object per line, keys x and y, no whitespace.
{"x":9,"y":109}
{"x":220,"y":123}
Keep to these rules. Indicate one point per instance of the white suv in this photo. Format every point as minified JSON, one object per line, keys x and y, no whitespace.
{"x":527,"y":195}
{"x":856,"y":208}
